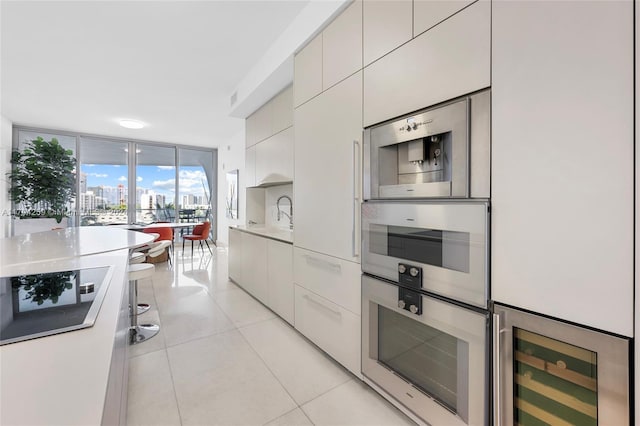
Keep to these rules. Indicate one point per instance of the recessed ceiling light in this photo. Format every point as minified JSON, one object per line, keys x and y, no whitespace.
{"x":132,"y":124}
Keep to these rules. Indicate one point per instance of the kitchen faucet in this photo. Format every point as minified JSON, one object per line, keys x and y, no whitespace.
{"x":290,"y":215}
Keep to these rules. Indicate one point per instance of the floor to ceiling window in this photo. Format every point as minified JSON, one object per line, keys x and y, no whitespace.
{"x":103,"y":191}
{"x":195,"y":184}
{"x":155,"y":183}
{"x":123,"y":181}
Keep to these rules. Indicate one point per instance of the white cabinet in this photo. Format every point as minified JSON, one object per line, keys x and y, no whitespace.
{"x":235,"y":255}
{"x":274,"y":158}
{"x":250,"y":166}
{"x":386,"y":24}
{"x":328,"y":137}
{"x":264,"y":268}
{"x":307,"y":73}
{"x":450,"y":60}
{"x":334,"y":279}
{"x":258,"y":125}
{"x":562,"y":160}
{"x":427,"y":13}
{"x":282,"y":110}
{"x":280,"y":279}
{"x":334,"y":329}
{"x":342,"y":46}
{"x":254,"y":265}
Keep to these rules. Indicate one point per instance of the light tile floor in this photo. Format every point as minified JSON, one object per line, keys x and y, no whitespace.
{"x":222,"y":358}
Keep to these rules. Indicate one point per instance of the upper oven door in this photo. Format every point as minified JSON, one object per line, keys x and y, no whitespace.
{"x":448,"y":240}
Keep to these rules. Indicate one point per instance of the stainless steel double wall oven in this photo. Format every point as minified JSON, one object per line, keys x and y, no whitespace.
{"x":425,"y":248}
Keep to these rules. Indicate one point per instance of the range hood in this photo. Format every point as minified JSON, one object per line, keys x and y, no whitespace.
{"x":273,"y":179}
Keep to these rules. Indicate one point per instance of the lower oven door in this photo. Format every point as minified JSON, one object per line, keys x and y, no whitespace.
{"x":448,"y":240}
{"x":434,"y":364}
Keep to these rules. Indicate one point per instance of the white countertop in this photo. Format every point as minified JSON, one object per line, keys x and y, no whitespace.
{"x":280,"y":234}
{"x":20,"y":253}
{"x":62,"y":379}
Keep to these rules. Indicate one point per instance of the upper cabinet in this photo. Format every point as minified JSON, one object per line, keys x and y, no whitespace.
{"x":274,"y":159}
{"x":562,"y":160}
{"x":258,"y":125}
{"x":342,"y":46}
{"x":269,"y":136}
{"x":386,"y":25}
{"x":450,"y":60}
{"x":428,"y":13}
{"x":271,"y":118}
{"x":282,"y":111}
{"x":307,"y":72}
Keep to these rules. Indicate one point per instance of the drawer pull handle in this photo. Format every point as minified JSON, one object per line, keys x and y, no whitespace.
{"x":323,"y":263}
{"x":319,"y":303}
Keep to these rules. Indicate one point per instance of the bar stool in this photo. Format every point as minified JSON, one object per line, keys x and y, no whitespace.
{"x":135,"y":258}
{"x":139,"y":332}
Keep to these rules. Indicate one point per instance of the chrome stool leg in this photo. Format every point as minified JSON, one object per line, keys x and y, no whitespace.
{"x":139,"y":333}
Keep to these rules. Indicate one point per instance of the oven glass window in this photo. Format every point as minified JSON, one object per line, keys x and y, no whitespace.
{"x":430,"y":359}
{"x":446,"y":249}
{"x":555,"y":382}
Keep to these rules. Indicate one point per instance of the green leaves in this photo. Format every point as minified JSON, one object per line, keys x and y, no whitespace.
{"x":43,"y":179}
{"x":42,"y":287}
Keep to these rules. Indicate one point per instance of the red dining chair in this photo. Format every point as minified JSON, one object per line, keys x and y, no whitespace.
{"x":200,"y":233}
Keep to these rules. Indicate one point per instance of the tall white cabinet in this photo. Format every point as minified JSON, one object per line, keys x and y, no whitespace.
{"x":328,"y":140}
{"x":562,"y":160}
{"x":327,"y":188}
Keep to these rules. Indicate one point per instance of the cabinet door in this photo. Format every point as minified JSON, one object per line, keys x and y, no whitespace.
{"x":282,"y":110}
{"x":250,"y":166}
{"x":334,"y":329}
{"x":450,"y":60}
{"x":427,"y":13}
{"x":342,"y":46}
{"x":328,"y":134}
{"x":280,"y":279}
{"x":386,"y":24}
{"x":274,"y":158}
{"x":307,"y":72}
{"x":562,"y":160}
{"x":235,"y":256}
{"x":258,"y":125}
{"x":254,"y":264}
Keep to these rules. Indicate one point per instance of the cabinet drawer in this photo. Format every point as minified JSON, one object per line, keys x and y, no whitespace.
{"x":334,"y":329}
{"x":450,"y":60}
{"x":334,"y":279}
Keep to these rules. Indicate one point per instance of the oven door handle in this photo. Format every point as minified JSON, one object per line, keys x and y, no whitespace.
{"x":355,"y":252}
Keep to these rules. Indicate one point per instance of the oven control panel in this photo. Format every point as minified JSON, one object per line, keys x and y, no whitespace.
{"x":410,"y":276}
{"x":409,"y":299}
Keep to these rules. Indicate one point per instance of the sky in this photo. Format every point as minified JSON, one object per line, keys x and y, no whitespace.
{"x":160,"y":179}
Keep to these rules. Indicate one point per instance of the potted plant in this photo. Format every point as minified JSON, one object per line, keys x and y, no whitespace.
{"x":43,"y":182}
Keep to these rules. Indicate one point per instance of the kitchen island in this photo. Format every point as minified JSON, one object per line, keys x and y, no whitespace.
{"x":77,"y":377}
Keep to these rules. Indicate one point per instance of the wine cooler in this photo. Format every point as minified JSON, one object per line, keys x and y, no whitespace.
{"x":547,"y":372}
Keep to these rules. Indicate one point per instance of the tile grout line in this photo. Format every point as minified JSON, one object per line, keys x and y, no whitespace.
{"x":166,"y":354}
{"x":274,"y":376}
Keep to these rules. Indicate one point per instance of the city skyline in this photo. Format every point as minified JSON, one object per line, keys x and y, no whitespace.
{"x":159,"y":179}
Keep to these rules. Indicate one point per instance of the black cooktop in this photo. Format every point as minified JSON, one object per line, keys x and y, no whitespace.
{"x":39,"y":305}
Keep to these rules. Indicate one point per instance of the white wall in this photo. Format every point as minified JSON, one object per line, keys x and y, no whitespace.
{"x":231,"y":157}
{"x":5,"y":167}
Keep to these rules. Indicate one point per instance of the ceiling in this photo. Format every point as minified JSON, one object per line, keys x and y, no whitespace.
{"x":84,"y":65}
